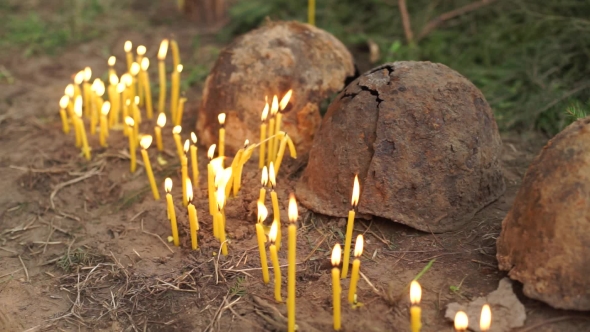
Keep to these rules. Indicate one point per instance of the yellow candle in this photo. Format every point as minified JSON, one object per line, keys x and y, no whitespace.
{"x":221,"y":118}
{"x":461,"y":321}
{"x":69,"y":92}
{"x":86,"y":90}
{"x":270,"y":147}
{"x":114,"y":100}
{"x":274,"y":109}
{"x":221,"y":221}
{"x":249,"y":150}
{"x":292,"y":264}
{"x":180,"y":110}
{"x":104,"y":128}
{"x":99,"y":90}
{"x":229,"y":180}
{"x":211,"y":182}
{"x":264,"y":181}
{"x":160,"y":123}
{"x":272,"y":235}
{"x":121,"y":102}
{"x":127,"y":47}
{"x":485,"y":320}
{"x":311,"y":12}
{"x":262,"y":151}
{"x":356,"y":265}
{"x":350,"y":226}
{"x":82,"y":130}
{"x":171,"y":211}
{"x":336,"y":288}
{"x":175,"y":93}
{"x":275,"y":203}
{"x":63,"y":104}
{"x":76,"y":123}
{"x":130,"y":124}
{"x":78,"y":81}
{"x":112,"y":60}
{"x":136,"y":118}
{"x":134,"y":71}
{"x":235,"y":166}
{"x":162,"y":73}
{"x":291,"y":145}
{"x":175,"y":53}
{"x":194,"y":161}
{"x":184,"y":171}
{"x":145,"y":143}
{"x":192,"y":215}
{"x":282,"y":146}
{"x":145,"y":64}
{"x":415,"y":311}
{"x":262,"y":213}
{"x":140,"y":83}
{"x":176,"y":134}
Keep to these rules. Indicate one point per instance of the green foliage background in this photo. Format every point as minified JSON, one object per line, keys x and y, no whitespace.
{"x":529,"y":57}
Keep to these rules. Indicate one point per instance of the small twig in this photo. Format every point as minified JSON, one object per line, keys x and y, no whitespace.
{"x":316,"y":248}
{"x":91,"y":173}
{"x":370,"y":284}
{"x":9,"y":250}
{"x":156,"y":235}
{"x":406,"y":21}
{"x":24,"y":267}
{"x":11,"y":273}
{"x":484,"y":263}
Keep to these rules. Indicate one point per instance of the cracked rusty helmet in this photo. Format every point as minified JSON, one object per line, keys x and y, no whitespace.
{"x":423,"y":141}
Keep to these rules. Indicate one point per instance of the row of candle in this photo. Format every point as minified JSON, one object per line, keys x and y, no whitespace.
{"x":273,"y":148}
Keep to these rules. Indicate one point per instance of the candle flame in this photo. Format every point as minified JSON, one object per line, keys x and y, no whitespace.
{"x":168,"y":185}
{"x":221,"y":118}
{"x":145,"y":64}
{"x":78,"y":106}
{"x":415,"y":292}
{"x":113,"y":79}
{"x":211,"y":151}
{"x":220,"y":197}
{"x":246,"y":143}
{"x":194,"y":137}
{"x":179,"y":68}
{"x":264,"y":178}
{"x":161,"y":121}
{"x":69,"y":91}
{"x":262,"y":212}
{"x":87,"y":74}
{"x":274,"y":230}
{"x":128,"y":102}
{"x":106,"y":107}
{"x":136,"y":100}
{"x":336,"y":255}
{"x":120,"y":87}
{"x":134,"y":70}
{"x":127,"y":79}
{"x":141,"y":50}
{"x":79,"y":78}
{"x":187,"y":145}
{"x":176,"y":130}
{"x":163,"y":49}
{"x":217,"y":169}
{"x":100,"y":88}
{"x":358,"y":246}
{"x":355,"y":192}
{"x":264,"y":113}
{"x":285,"y":100}
{"x":271,"y":175}
{"x":189,"y":190}
{"x":112,"y":60}
{"x":64,"y":101}
{"x":145,"y":141}
{"x":129,"y":121}
{"x":461,"y":321}
{"x":293,"y":213}
{"x":486,"y":318}
{"x":274,"y":107}
{"x":128,"y":46}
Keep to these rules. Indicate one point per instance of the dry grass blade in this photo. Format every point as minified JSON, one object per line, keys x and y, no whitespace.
{"x":89,"y":174}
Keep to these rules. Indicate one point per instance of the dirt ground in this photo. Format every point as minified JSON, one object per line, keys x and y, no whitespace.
{"x":82,"y":244}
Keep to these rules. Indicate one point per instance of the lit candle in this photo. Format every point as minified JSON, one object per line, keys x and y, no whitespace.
{"x":221,"y":219}
{"x":127,"y":47}
{"x":356,"y":265}
{"x":171,"y":211}
{"x":263,"y":136}
{"x":74,"y":118}
{"x":112,"y":60}
{"x":285,"y":100}
{"x":160,"y":123}
{"x":180,"y":109}
{"x":274,"y":108}
{"x":145,"y":64}
{"x":336,"y":287}
{"x":162,"y":73}
{"x":134,"y":71}
{"x":262,"y":213}
{"x":104,"y":127}
{"x":83,"y":138}
{"x":221,"y":118}
{"x":194,"y":161}
{"x":275,"y":202}
{"x":69,"y":91}
{"x":485,"y":320}
{"x":130,"y":124}
{"x":211,"y":181}
{"x":292,"y":264}
{"x":175,"y":92}
{"x":140,"y":84}
{"x":145,"y":143}
{"x":114,"y":100}
{"x":78,"y":81}
{"x":264,"y":181}
{"x":98,"y":101}
{"x":311,"y":12}
{"x":121,"y":103}
{"x":184,"y":170}
{"x":279,"y":120}
{"x":415,"y":311}
{"x":461,"y":321}
{"x":192,"y":215}
{"x":283,"y":138}
{"x":239,"y":166}
{"x":176,"y":134}
{"x":350,"y":226}
{"x":63,"y":104}
{"x":272,"y":236}
{"x":136,"y":118}
{"x":175,"y":53}
{"x":127,"y":80}
{"x":86,"y":90}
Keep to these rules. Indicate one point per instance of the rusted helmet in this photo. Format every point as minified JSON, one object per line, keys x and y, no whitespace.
{"x":269,"y":61}
{"x":545,"y":239}
{"x":423,"y":141}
